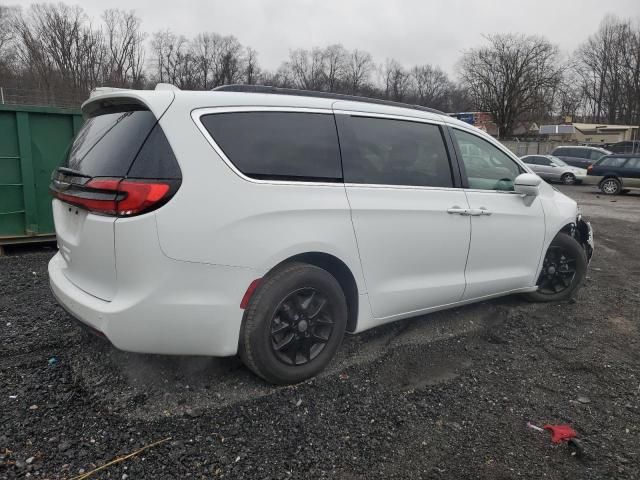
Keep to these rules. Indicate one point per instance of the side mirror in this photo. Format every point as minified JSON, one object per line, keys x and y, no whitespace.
{"x":527,"y":184}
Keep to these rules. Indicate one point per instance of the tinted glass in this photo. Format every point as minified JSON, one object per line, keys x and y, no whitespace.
{"x":561,"y":151}
{"x":393,"y":152}
{"x":529,"y":160}
{"x":156,"y":158}
{"x":544,"y":161}
{"x":278,"y":145}
{"x":107,"y":143}
{"x":595,"y":155}
{"x":633,"y":163}
{"x":558,"y":161}
{"x":486,"y":166}
{"x":612,"y":161}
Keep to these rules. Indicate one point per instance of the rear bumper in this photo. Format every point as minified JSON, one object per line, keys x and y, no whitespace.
{"x":183,"y":309}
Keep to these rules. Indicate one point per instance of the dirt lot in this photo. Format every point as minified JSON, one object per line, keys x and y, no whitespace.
{"x":443,"y":396}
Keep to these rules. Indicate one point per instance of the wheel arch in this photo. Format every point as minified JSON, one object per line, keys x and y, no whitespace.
{"x":341,"y":272}
{"x":580,"y":231}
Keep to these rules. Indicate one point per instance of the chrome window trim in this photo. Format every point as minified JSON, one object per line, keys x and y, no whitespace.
{"x":398,"y":187}
{"x":353,"y":113}
{"x":198,"y":113}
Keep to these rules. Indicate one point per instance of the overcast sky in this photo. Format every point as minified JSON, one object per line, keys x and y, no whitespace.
{"x":411,"y":31}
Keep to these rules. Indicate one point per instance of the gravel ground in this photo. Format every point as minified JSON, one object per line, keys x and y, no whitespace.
{"x":443,"y":396}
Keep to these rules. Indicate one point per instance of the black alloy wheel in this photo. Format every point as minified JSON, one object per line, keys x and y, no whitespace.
{"x":301,"y":326}
{"x":564,"y":269}
{"x":558,"y":271}
{"x":568,"y":179}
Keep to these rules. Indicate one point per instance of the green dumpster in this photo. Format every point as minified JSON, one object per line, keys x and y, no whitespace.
{"x":33,"y":141}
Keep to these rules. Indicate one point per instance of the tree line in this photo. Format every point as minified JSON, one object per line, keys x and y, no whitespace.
{"x":59,"y":50}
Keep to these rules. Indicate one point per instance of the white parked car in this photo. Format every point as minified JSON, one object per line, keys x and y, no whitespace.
{"x":269,"y":222}
{"x":555,"y":170}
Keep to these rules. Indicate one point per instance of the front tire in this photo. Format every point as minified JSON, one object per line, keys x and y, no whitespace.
{"x":563,"y":271}
{"x":568,"y":179}
{"x":610,"y":186}
{"x":294,"y":324}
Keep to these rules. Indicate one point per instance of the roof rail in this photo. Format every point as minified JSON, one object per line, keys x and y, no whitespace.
{"x":315,"y":94}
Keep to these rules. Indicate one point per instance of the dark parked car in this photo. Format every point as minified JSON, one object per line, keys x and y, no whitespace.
{"x":615,"y":173}
{"x":579,"y":156}
{"x":628,"y":146}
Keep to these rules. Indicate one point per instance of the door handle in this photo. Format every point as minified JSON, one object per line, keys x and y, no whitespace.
{"x":485,"y":211}
{"x":457,"y":210}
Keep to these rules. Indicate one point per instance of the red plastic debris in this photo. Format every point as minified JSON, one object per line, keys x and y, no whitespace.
{"x":561,"y":433}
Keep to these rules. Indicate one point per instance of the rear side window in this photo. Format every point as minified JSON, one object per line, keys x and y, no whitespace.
{"x":612,"y":161}
{"x":561,"y":152}
{"x":393,"y":152}
{"x":279,"y":145}
{"x":112,"y":139}
{"x":633,"y":163}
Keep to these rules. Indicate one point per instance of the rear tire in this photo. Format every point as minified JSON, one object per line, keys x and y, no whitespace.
{"x":294,"y":324}
{"x":610,"y":186}
{"x":563,"y":272}
{"x":568,"y":179}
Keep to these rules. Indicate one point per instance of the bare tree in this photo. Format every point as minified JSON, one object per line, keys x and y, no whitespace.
{"x":396,"y":81}
{"x":510,"y":76}
{"x":57,"y":44}
{"x":125,"y":48}
{"x":334,"y":61}
{"x":358,"y":68}
{"x":608,"y":66}
{"x":307,"y":68}
{"x":7,"y":42}
{"x":174,"y":62}
{"x":251,"y":69}
{"x":430,"y":86}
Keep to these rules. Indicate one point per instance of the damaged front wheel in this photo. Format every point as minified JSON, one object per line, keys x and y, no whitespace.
{"x":563,"y":270}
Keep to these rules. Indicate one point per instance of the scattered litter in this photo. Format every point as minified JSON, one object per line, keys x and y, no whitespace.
{"x":30,"y":460}
{"x":53,"y":361}
{"x":561,"y":433}
{"x":33,"y":407}
{"x":13,"y":397}
{"x":344,"y":376}
{"x":298,"y":403}
{"x":84,"y":475}
{"x":583,"y":400}
{"x":237,"y":459}
{"x":8,"y":324}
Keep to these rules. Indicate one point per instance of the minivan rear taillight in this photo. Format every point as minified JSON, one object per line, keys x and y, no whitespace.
{"x":115,"y":196}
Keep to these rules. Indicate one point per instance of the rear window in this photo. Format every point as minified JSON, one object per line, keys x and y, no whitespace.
{"x":279,"y":145}
{"x":111,"y":139}
{"x":393,"y":152}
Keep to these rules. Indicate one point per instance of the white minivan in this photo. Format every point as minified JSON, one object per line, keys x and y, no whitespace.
{"x":268,"y":222}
